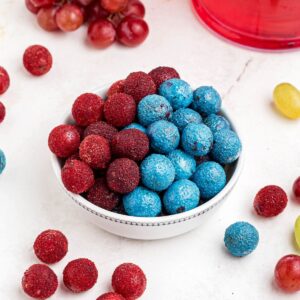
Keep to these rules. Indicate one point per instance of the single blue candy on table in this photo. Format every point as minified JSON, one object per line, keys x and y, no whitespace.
{"x":136,"y":126}
{"x":153,"y":108}
{"x":2,"y":161}
{"x":181,"y":196}
{"x":164,"y":136}
{"x":206,"y":100}
{"x":184,"y":116}
{"x":196,"y":139}
{"x":184,"y":164}
{"x":227,"y":146}
{"x":178,"y":92}
{"x":142,"y":202}
{"x":210,"y":178}
{"x":216,"y":122}
{"x":241,"y":238}
{"x":157,"y":172}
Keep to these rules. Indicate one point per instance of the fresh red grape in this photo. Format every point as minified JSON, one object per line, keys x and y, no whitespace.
{"x":95,"y":12}
{"x":132,"y":31}
{"x":84,"y":2}
{"x":134,"y":8}
{"x":69,"y":17}
{"x":31,"y":7}
{"x":42,"y":3}
{"x":46,"y":18}
{"x":296,"y":188}
{"x":114,"y":6}
{"x":101,"y":34}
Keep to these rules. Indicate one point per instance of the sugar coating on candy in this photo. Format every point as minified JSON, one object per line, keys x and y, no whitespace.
{"x":50,"y":246}
{"x":153,"y":108}
{"x":4,"y":80}
{"x":183,"y":195}
{"x":77,"y":176}
{"x":184,"y":116}
{"x":227,"y":146}
{"x":157,"y":172}
{"x":296,"y":188}
{"x":2,"y":161}
{"x":196,"y":139}
{"x":184,"y":164}
{"x":95,"y":151}
{"x":39,"y":282}
{"x":241,"y":238}
{"x":287,"y":273}
{"x":87,"y":109}
{"x":164,"y":136}
{"x":2,"y":112}
{"x":136,"y":126}
{"x":123,"y":175}
{"x":210,"y":178}
{"x":37,"y":60}
{"x":130,"y":143}
{"x":64,"y":140}
{"x":270,"y":201}
{"x":119,"y":110}
{"x":111,"y":296}
{"x":100,"y":195}
{"x":80,"y":275}
{"x":206,"y":100}
{"x":101,"y":128}
{"x":142,"y":202}
{"x":178,"y":92}
{"x":216,"y":122}
{"x":129,"y":280}
{"x":162,"y":74}
{"x":139,"y":85}
{"x":117,"y":87}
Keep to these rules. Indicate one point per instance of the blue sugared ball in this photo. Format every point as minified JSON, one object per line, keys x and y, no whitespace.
{"x":164,"y":136}
{"x":136,"y":126}
{"x":184,"y":164}
{"x":227,"y":146}
{"x":142,"y":202}
{"x":153,"y":108}
{"x":185,"y":116}
{"x":241,"y":238}
{"x":206,"y":100}
{"x":197,"y":139}
{"x":181,"y":196}
{"x":210,"y":178}
{"x":2,"y":161}
{"x":216,"y":123}
{"x":157,"y":172}
{"x":178,"y":92}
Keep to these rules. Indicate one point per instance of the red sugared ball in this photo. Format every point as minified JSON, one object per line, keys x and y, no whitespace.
{"x":39,"y":282}
{"x":4,"y":80}
{"x":72,"y":157}
{"x":287,"y":273}
{"x":111,"y":296}
{"x":117,"y":87}
{"x":95,"y":151}
{"x":129,"y":280}
{"x":296,"y":188}
{"x":130,"y":143}
{"x":77,"y":176}
{"x":51,"y":246}
{"x":2,"y":112}
{"x":270,"y":201}
{"x":31,"y":7}
{"x":123,"y":175}
{"x":64,"y":140}
{"x":161,"y":74}
{"x":139,"y":85}
{"x":101,"y":128}
{"x":119,"y":110}
{"x":87,"y":109}
{"x":80,"y":275}
{"x":37,"y":60}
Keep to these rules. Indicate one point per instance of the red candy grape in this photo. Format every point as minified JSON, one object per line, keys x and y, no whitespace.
{"x":101,"y":128}
{"x":296,"y":188}
{"x":117,"y":87}
{"x":69,"y":17}
{"x":114,"y":6}
{"x":2,"y":112}
{"x":110,"y":296}
{"x":46,"y":18}
{"x":132,"y":31}
{"x":31,"y":7}
{"x":4,"y":80}
{"x":101,"y":33}
{"x":134,"y":8}
{"x":161,"y":74}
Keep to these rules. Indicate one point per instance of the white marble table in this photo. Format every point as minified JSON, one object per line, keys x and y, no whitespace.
{"x":193,"y":266}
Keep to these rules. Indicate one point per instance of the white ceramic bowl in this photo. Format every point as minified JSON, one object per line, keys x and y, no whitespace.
{"x":151,"y":228}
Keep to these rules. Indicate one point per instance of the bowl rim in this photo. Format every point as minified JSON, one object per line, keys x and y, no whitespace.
{"x":152,"y":221}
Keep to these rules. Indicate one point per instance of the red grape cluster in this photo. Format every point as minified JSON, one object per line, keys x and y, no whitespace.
{"x":108,"y":20}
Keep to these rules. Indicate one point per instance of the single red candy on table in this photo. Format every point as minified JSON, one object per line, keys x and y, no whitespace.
{"x":111,"y":296}
{"x":4,"y":80}
{"x":101,"y":128}
{"x":2,"y":112}
{"x":162,"y":74}
{"x":117,"y":87}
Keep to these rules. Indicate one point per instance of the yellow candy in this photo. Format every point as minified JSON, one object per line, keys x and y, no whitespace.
{"x":287,"y":100}
{"x":297,"y":231}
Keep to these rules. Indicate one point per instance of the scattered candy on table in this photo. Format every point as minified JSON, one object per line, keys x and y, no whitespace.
{"x":2,"y":161}
{"x":4,"y":80}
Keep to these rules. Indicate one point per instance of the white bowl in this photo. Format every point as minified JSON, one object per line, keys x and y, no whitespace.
{"x":155,"y":227}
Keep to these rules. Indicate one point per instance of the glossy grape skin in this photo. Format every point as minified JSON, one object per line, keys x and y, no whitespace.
{"x":31,"y":7}
{"x":114,"y":6}
{"x":134,"y":8}
{"x":69,"y":17}
{"x":46,"y":18}
{"x":95,"y":12}
{"x":132,"y":31}
{"x":101,"y":33}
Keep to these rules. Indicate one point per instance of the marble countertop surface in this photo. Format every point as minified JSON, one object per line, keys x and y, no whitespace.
{"x":195,"y":265}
